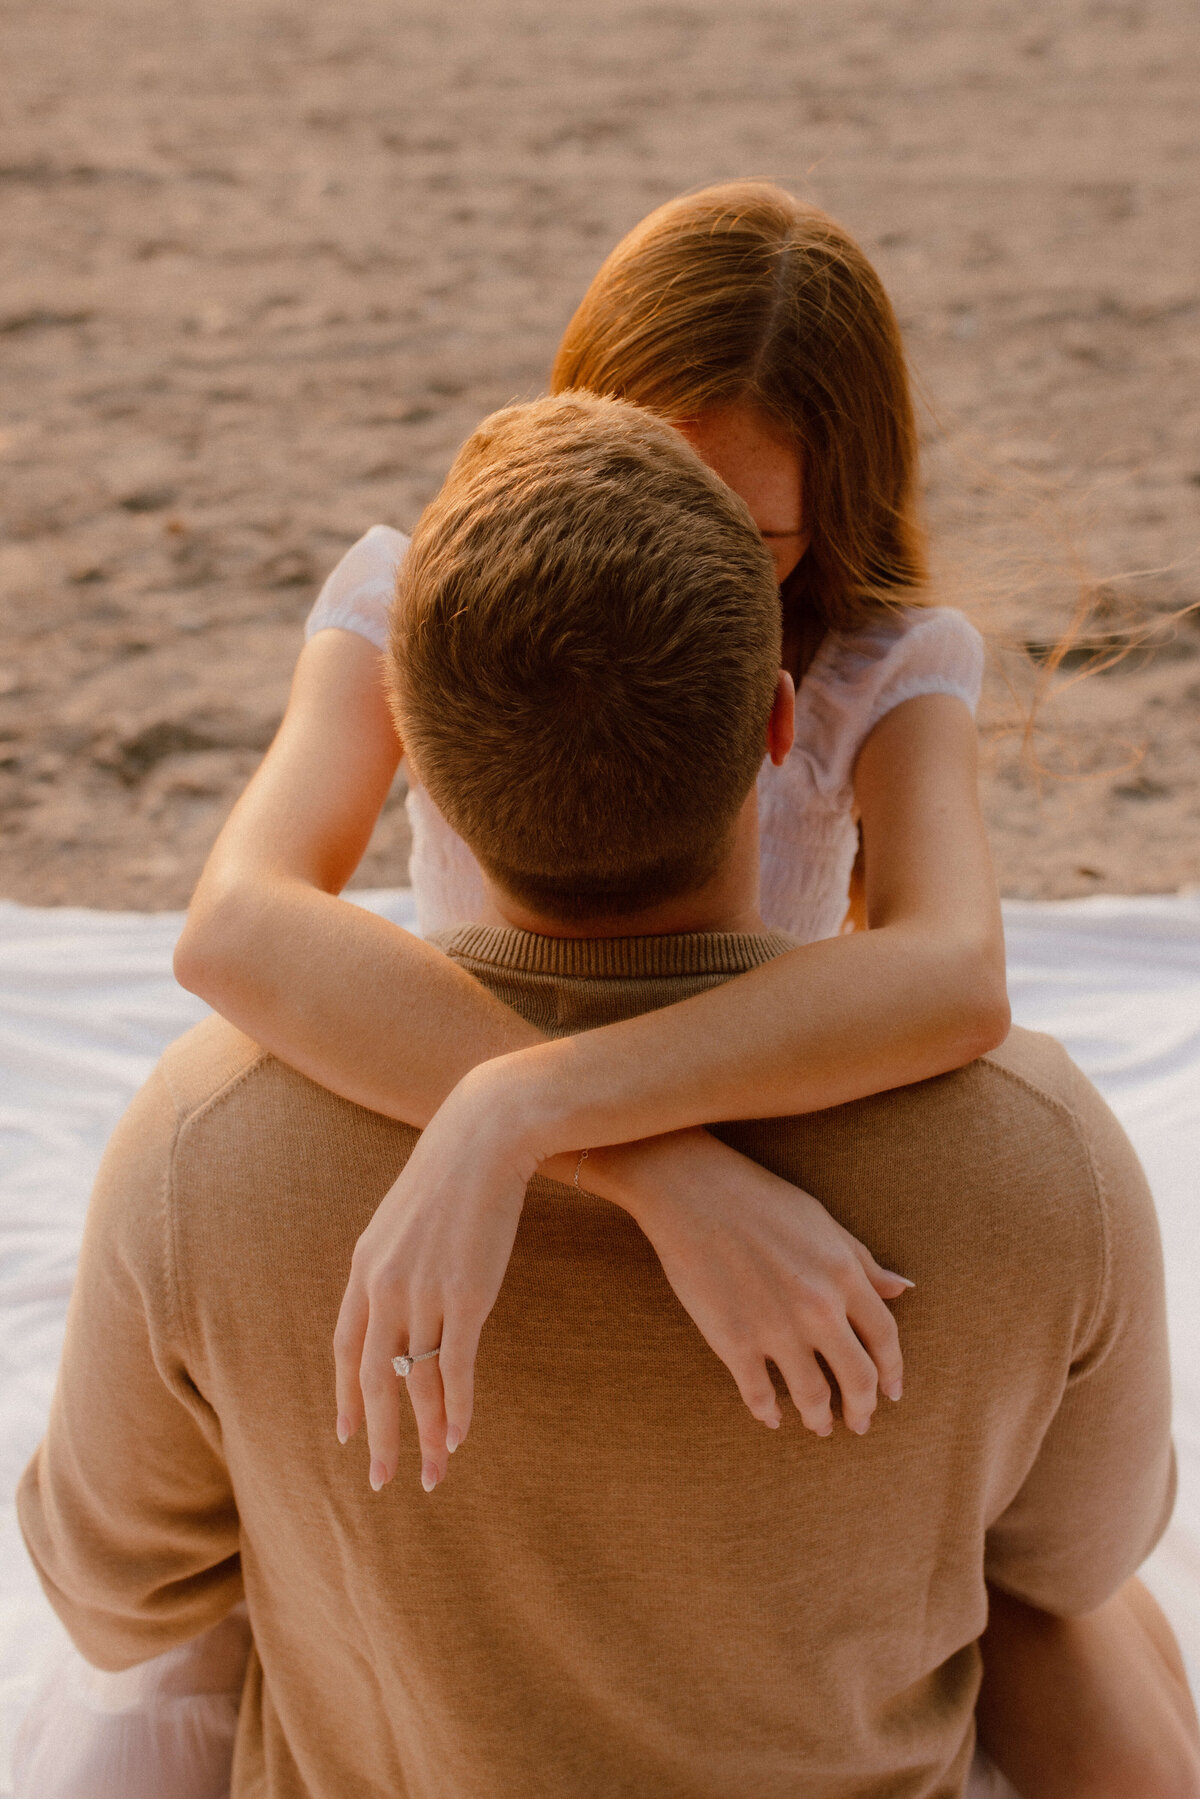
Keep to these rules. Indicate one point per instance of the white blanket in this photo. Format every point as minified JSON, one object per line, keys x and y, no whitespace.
{"x":87,"y":1002}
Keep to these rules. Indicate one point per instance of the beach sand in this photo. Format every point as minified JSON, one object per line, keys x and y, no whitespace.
{"x":265,"y":265}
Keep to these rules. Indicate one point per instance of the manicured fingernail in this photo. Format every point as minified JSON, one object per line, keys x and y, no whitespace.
{"x":773,"y":1423}
{"x":862,"y":1427}
{"x":453,"y":1437}
{"x":343,"y":1430}
{"x":895,"y":1391}
{"x":378,"y":1476}
{"x":429,"y":1477}
{"x":826,"y":1430}
{"x":900,"y":1278}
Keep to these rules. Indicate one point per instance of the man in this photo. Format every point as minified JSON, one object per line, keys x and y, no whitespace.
{"x":627,"y":1588}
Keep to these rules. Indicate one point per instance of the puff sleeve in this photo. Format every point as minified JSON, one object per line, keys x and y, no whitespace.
{"x":358,"y":594}
{"x":857,"y":679}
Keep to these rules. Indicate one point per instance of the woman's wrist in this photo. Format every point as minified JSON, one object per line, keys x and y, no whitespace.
{"x":525,"y":1109}
{"x":634,"y":1176}
{"x":525,"y":1101}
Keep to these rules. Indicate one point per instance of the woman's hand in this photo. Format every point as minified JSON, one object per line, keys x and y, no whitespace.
{"x":426,"y":1272}
{"x":764,"y":1271}
{"x":767,"y":1276}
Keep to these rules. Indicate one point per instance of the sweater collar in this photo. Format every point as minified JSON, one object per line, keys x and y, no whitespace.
{"x":630,"y":958}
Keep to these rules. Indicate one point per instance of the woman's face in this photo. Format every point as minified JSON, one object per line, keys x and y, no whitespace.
{"x":756,"y":460}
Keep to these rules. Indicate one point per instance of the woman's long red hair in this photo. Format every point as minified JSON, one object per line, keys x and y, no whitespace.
{"x":742,"y":293}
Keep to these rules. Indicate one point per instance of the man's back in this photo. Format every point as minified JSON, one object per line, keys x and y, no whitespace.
{"x":626,"y":1586}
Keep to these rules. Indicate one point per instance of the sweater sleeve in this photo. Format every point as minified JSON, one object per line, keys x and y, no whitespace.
{"x":861,"y":677}
{"x":358,"y":594}
{"x":127,"y":1507}
{"x":1099,"y":1492}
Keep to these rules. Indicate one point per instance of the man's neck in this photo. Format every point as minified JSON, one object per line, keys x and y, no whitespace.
{"x":728,"y":902}
{"x":671,"y":918}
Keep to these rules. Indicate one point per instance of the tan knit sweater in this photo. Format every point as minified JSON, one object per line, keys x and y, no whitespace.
{"x":626,"y":1587}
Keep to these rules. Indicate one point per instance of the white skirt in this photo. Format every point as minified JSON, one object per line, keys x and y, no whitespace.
{"x":165,"y":1729}
{"x":162,"y":1730}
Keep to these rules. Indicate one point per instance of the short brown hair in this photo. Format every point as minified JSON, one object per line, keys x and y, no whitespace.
{"x":584,"y":653}
{"x":743,"y":293}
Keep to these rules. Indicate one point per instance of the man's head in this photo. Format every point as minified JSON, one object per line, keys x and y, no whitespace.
{"x":585,"y":657}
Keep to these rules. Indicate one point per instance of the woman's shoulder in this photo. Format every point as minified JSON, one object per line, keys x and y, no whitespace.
{"x":857,"y":677}
{"x":357,"y":595}
{"x":904,"y":652}
{"x":381,"y":541}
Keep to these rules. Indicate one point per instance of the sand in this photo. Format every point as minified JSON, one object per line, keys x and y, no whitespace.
{"x":265,"y":265}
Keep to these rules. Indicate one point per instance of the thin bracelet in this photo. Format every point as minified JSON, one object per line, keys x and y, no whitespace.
{"x":583,"y":1156}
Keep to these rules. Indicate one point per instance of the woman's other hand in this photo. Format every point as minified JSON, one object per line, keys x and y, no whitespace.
{"x":766,"y":1275}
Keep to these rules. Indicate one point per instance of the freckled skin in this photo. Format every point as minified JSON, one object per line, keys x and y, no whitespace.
{"x":753,"y":458}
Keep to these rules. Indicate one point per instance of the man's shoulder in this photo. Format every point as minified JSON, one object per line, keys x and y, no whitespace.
{"x":214,"y":1075}
{"x":224,"y":1088}
{"x":268,"y":1129}
{"x":1032,"y":1074}
{"x":1038,"y":1067}
{"x":191,"y":1074}
{"x":1029,"y":1078}
{"x":1029,"y":1104}
{"x":205,"y":1063}
{"x":132,"y":1195}
{"x":1022,"y":1141}
{"x":230,"y":1166}
{"x":1017,"y":1144}
{"x":129,"y":1219}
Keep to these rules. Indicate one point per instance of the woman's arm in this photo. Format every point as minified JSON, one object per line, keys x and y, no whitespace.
{"x":382,"y":1018}
{"x":921,"y":992}
{"x":353,"y":1001}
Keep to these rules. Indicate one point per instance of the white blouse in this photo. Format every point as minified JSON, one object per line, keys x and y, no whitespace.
{"x":808,"y":823}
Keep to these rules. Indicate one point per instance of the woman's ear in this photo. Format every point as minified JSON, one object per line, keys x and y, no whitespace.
{"x":781,"y":726}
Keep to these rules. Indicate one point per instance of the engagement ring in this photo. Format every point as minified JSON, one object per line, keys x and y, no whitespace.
{"x":404,"y":1364}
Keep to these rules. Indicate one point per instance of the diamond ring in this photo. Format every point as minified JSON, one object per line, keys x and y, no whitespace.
{"x":404,"y":1364}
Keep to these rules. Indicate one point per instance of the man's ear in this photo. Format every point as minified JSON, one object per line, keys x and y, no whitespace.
{"x":781,"y":726}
